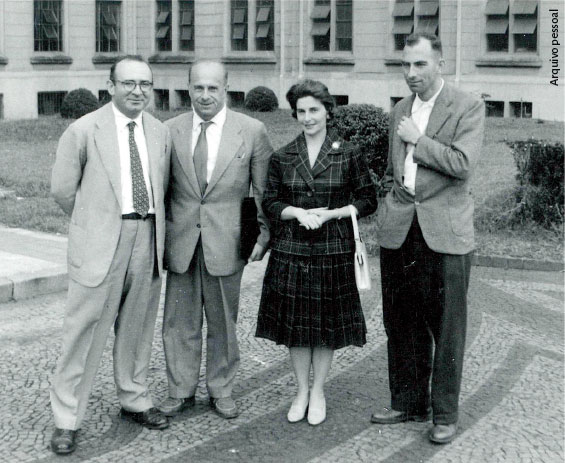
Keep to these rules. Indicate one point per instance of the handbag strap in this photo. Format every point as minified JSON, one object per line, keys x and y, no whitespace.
{"x":353,"y":213}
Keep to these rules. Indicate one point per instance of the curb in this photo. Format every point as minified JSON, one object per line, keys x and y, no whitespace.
{"x":26,"y":285}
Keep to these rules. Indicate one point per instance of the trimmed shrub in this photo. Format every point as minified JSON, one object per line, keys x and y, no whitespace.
{"x":366,"y":126}
{"x":77,"y":103}
{"x":261,"y":99}
{"x":540,"y":194}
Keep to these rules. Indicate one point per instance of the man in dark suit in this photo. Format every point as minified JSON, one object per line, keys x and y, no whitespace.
{"x":217,"y":153}
{"x":425,"y":230}
{"x":110,"y":174}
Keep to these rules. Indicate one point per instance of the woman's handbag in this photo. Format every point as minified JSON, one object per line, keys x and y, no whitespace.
{"x":361,"y":262}
{"x":249,"y":227}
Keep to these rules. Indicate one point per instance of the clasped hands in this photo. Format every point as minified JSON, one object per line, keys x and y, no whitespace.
{"x":312,"y":219}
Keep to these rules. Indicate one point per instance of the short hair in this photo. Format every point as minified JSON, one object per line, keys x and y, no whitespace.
{"x":137,"y":58}
{"x":313,"y":88}
{"x":208,"y":61}
{"x":414,"y":39}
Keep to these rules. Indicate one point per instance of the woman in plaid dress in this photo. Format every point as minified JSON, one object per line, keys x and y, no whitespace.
{"x":310,"y":301}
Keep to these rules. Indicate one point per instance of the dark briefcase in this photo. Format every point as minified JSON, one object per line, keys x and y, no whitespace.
{"x":249,"y":227}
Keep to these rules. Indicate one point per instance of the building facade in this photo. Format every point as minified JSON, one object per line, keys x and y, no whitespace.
{"x":508,"y":51}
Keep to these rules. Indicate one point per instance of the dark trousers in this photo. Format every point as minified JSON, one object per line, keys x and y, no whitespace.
{"x":425,"y":304}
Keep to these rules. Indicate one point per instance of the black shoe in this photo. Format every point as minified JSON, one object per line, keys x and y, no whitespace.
{"x":389,"y":416}
{"x":63,"y":441}
{"x":151,"y":419}
{"x":442,"y":433}
{"x":173,"y":406}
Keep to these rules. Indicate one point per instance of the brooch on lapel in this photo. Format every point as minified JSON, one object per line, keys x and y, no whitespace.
{"x":336,"y":145}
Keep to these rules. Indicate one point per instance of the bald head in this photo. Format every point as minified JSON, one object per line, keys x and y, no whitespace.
{"x":211,"y":66}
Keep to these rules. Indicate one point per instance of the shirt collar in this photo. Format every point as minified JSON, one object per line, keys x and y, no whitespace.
{"x":122,"y":120}
{"x":418,"y":103}
{"x":219,"y":119}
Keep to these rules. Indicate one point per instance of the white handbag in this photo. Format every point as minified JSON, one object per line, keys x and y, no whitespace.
{"x":361,"y":263}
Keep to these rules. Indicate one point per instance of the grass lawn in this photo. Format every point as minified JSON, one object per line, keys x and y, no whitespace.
{"x":27,"y":153}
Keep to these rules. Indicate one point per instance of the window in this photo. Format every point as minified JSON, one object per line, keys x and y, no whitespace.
{"x":264,"y":25}
{"x":163,"y":26}
{"x":186,"y":25}
{"x":409,"y":17}
{"x":108,"y":20}
{"x":104,"y":96}
{"x":329,"y":34}
{"x":236,"y":99}
{"x":494,"y":108}
{"x":239,"y":25}
{"x":161,"y":99}
{"x":521,"y":109}
{"x":1,"y":106}
{"x":48,"y":26}
{"x":394,"y":100}
{"x":49,"y":102}
{"x":183,"y":99}
{"x":341,"y":100}
{"x":516,"y":19}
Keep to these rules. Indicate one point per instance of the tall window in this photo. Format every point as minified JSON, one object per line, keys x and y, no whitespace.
{"x":332,"y":25}
{"x":186,"y":25}
{"x":108,"y":25}
{"x":264,"y":25}
{"x":239,"y":24}
{"x":163,"y":26}
{"x":48,"y":25}
{"x":428,"y":17}
{"x":511,"y":26}
{"x":414,"y":16}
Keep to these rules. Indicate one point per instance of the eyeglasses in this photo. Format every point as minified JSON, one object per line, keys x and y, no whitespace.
{"x":129,"y":85}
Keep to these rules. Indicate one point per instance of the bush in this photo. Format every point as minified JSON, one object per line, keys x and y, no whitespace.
{"x":366,"y":126}
{"x":261,"y":99}
{"x":540,"y":194}
{"x":77,"y":103}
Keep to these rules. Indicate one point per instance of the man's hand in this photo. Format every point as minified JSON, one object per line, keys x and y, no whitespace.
{"x":408,"y":131}
{"x":257,"y":254}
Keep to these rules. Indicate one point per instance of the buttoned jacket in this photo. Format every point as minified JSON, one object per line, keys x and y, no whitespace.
{"x":86,"y":183}
{"x":446,"y":156}
{"x":340,"y":176}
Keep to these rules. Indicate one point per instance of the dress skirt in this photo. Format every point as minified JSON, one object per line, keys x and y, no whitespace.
{"x":311,"y":301}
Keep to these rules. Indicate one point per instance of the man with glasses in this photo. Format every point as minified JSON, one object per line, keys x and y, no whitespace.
{"x":110,"y":174}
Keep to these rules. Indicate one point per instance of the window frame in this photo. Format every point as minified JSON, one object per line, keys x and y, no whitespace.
{"x":319,"y":22}
{"x":163,"y":25}
{"x":252,"y":44}
{"x":426,"y":12}
{"x":104,"y":29}
{"x":41,"y":24}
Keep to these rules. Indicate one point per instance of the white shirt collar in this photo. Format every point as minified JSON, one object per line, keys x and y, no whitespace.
{"x":219,"y":119}
{"x":418,"y":103}
{"x":122,"y":120}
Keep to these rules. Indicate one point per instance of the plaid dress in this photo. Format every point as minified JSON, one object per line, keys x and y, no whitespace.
{"x":309,"y":297}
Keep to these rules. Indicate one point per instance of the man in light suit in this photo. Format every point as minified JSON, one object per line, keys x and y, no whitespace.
{"x":217,"y":153}
{"x":110,"y":175}
{"x":425,"y":230}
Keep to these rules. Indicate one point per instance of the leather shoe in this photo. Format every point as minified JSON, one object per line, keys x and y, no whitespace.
{"x":151,"y":419}
{"x":297,"y":410}
{"x":225,"y":407}
{"x":173,"y":406}
{"x":390,"y":416}
{"x":63,"y":441}
{"x":316,"y":411}
{"x":443,"y":433}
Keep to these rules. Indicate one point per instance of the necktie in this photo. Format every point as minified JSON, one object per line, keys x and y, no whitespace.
{"x":200,"y":157}
{"x":139,"y":189}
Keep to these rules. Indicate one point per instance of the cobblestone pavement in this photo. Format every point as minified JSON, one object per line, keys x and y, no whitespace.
{"x":511,"y":399}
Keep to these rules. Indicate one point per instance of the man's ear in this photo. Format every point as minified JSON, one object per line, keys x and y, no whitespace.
{"x":111,"y":87}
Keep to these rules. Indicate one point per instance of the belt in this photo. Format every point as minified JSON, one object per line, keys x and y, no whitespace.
{"x":136,"y":216}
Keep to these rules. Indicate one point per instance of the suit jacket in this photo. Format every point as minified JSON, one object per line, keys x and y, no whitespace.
{"x":86,"y":183}
{"x":446,"y":156}
{"x":215,"y":218}
{"x":340,"y":176}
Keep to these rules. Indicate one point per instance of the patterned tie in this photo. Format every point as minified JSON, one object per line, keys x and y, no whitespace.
{"x":139,"y":189}
{"x":200,"y":157}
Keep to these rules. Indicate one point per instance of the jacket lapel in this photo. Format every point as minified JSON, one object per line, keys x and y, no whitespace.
{"x":323,"y":160}
{"x":153,"y":143}
{"x":405,"y":111}
{"x":106,"y":139}
{"x":440,"y":112}
{"x":301,"y":162}
{"x":182,"y":142}
{"x":230,"y":143}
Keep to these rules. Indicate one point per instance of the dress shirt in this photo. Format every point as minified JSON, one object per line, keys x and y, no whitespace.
{"x":421,"y":111}
{"x":213,"y":137}
{"x":122,"y":129}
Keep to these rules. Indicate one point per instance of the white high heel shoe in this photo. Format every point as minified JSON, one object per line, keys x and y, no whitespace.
{"x":316,"y":411}
{"x":297,"y":410}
